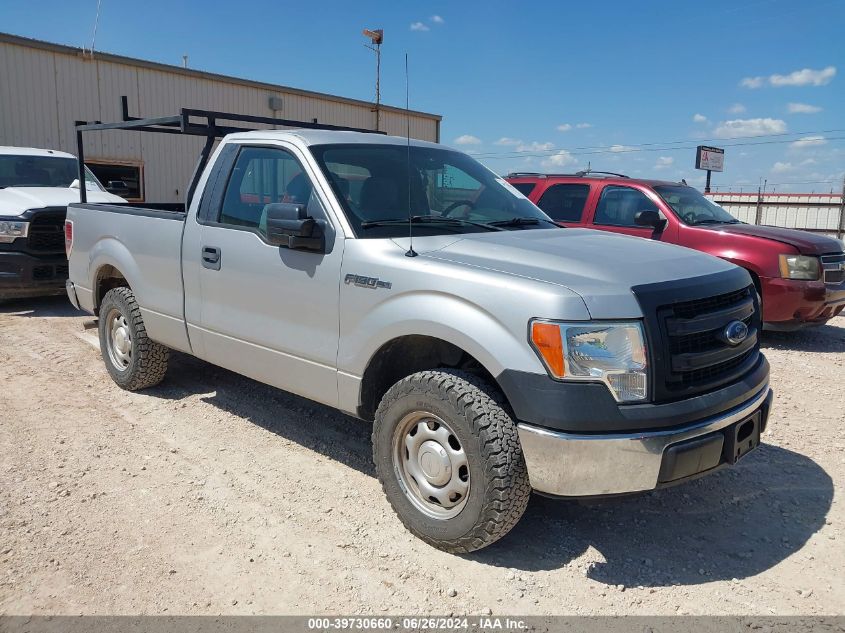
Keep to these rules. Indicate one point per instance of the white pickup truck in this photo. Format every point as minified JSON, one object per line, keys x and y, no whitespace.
{"x":36,"y":186}
{"x":495,"y":352}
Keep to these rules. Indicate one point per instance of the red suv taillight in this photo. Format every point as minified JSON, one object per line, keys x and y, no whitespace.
{"x":68,"y":237}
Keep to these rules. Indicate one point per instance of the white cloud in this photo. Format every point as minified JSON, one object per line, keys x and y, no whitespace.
{"x":779,"y":167}
{"x":583,"y":126}
{"x":752,"y":82}
{"x":809,"y":141}
{"x":419,"y":26}
{"x":749,"y":127}
{"x":736,"y":108}
{"x":802,"y":108}
{"x":437,"y":19}
{"x":803,"y":77}
{"x":620,"y":148}
{"x":506,"y":140}
{"x":564,"y":127}
{"x":561,"y":158}
{"x":664,"y":162}
{"x":699,"y":118}
{"x":534,"y":146}
{"x":467,"y":139}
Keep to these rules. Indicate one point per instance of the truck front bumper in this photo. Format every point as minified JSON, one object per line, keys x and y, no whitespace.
{"x":790,"y":304}
{"x":24,"y":275}
{"x":577,"y":464}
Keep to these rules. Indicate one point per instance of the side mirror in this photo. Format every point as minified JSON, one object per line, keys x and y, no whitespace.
{"x":651,"y":219}
{"x":289,"y":226}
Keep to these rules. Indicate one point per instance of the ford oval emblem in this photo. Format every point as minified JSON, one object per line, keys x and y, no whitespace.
{"x":735,"y":332}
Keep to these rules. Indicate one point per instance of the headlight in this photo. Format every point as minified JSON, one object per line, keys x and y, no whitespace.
{"x":10,"y":230}
{"x":799,"y":267}
{"x":612,"y":353}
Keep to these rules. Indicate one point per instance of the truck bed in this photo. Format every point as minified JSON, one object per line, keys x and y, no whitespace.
{"x":144,"y":242}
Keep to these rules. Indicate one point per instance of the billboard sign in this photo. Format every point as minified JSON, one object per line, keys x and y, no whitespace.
{"x":710,"y":158}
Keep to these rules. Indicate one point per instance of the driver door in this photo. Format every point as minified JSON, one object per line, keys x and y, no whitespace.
{"x":617,"y":207}
{"x":268,"y":312}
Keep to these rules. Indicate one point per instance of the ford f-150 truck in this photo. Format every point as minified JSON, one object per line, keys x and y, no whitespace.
{"x":35,"y":187}
{"x":800,"y":275}
{"x":495,"y":352}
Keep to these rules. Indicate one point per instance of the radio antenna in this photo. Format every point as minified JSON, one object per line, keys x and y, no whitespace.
{"x":411,"y":252}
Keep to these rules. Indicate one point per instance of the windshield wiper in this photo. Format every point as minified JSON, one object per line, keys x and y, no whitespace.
{"x":522,"y":221}
{"x":717,"y":222}
{"x":428,"y":219}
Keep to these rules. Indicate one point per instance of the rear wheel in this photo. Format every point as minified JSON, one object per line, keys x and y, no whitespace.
{"x":449,"y":459}
{"x":133,"y":360}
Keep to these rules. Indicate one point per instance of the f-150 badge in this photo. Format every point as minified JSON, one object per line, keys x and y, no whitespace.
{"x":367,"y":282}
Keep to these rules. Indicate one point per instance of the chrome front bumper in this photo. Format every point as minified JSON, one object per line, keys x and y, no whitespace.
{"x":576,"y":465}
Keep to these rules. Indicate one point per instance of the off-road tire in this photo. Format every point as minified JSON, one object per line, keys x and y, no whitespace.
{"x":499,"y":488}
{"x":148,"y":363}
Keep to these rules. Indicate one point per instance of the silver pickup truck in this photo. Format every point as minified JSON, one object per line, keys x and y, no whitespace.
{"x":495,"y":352}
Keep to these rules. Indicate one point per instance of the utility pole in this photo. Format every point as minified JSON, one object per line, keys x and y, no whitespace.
{"x":758,"y":217}
{"x":841,"y":232}
{"x":376,"y":37}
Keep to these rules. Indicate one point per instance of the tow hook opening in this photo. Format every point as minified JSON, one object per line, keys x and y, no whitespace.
{"x":745,"y":431}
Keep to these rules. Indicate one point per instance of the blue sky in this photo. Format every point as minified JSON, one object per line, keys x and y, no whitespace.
{"x":627,"y":86}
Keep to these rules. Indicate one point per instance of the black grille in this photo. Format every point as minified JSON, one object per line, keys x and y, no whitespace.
{"x":697,"y":376}
{"x":47,"y":272}
{"x":42,"y":273}
{"x":46,"y":233}
{"x":700,"y":357}
{"x":834,"y":273}
{"x":691,"y":309}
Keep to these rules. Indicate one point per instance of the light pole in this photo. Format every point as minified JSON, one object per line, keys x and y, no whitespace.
{"x":376,"y":37}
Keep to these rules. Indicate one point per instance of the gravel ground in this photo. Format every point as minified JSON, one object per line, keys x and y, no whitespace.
{"x":213,"y":494}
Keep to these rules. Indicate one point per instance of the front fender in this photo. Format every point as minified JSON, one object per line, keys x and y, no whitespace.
{"x":493,"y":343}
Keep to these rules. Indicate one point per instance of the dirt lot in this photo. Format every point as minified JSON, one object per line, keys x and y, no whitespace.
{"x":215,"y":494}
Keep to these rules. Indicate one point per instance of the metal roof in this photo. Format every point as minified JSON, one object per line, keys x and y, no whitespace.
{"x":190,"y":72}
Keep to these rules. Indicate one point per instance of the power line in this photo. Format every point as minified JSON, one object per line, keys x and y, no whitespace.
{"x":631,"y":149}
{"x":622,"y":149}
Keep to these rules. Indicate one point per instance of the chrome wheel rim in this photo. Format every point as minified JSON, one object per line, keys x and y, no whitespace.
{"x":118,"y":340}
{"x":431,"y":465}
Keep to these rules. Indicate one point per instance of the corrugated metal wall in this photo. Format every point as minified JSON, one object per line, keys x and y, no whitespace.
{"x":43,"y":90}
{"x":819,"y":212}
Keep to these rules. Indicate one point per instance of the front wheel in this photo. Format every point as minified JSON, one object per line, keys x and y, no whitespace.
{"x":449,"y":459}
{"x":133,"y":360}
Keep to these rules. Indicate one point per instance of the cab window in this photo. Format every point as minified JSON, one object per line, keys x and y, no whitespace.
{"x":564,"y":202}
{"x":618,"y":206}
{"x":262,"y":176}
{"x":525,"y":188}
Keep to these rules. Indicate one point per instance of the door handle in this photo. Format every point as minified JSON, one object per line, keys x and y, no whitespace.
{"x":211,"y":257}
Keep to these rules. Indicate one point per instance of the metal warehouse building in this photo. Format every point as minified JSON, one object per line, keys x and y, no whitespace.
{"x":45,"y":88}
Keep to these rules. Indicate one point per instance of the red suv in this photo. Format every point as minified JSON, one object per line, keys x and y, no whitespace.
{"x":800,"y":275}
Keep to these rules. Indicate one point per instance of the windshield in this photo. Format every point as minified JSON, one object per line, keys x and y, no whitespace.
{"x":447,"y":191}
{"x":42,"y":171}
{"x":693,"y":208}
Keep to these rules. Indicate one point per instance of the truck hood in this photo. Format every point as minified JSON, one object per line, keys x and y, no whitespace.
{"x":15,"y":200}
{"x":807,"y":243}
{"x":599,"y":266}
